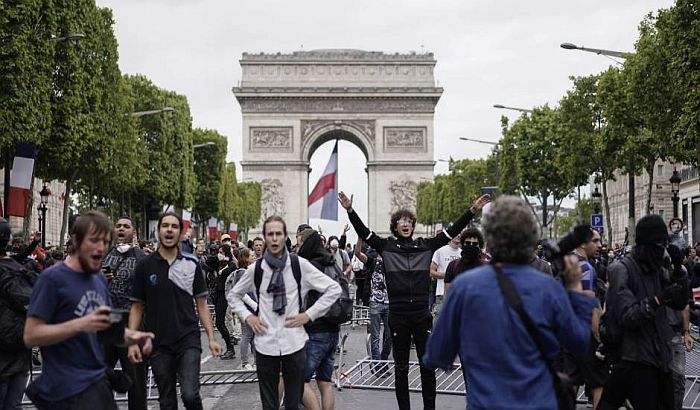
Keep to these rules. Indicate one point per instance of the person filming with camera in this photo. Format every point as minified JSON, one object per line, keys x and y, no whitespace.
{"x":508,"y":321}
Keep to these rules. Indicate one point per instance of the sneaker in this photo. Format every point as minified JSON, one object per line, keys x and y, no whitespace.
{"x":230,"y":354}
{"x":248,"y":367}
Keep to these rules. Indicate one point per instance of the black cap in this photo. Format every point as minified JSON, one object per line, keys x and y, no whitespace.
{"x":651,"y":229}
{"x":301,"y":228}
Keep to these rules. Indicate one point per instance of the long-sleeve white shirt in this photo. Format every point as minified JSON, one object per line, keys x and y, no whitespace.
{"x":279,"y":340}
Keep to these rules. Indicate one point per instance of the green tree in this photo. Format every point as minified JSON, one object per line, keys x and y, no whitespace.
{"x":680,"y":33}
{"x":25,"y":73}
{"x":509,"y":170}
{"x":227,"y":194}
{"x":248,"y":207}
{"x":653,"y":98}
{"x":210,"y":163}
{"x":170,"y":177}
{"x":538,"y":139}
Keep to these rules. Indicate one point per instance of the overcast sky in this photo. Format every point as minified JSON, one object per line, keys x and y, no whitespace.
{"x":487,"y":52}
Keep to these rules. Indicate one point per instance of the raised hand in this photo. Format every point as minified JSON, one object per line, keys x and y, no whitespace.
{"x":346,"y":229}
{"x":345,"y":202}
{"x":480,"y":202}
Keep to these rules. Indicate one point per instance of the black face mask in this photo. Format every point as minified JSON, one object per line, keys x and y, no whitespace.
{"x":470,"y":253}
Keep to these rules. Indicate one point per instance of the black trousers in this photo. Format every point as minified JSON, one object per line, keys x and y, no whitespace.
{"x":97,"y":396}
{"x":361,"y":296}
{"x":646,"y":387}
{"x":220,"y":306}
{"x":404,"y":327}
{"x":292,"y":368}
{"x":136,"y":372}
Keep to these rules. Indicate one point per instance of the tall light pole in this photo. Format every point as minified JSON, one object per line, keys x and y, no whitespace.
{"x":204,"y":144}
{"x":139,"y":114}
{"x":675,"y":188}
{"x":42,"y":208}
{"x":504,"y":107}
{"x":493,"y":144}
{"x":631,"y":215}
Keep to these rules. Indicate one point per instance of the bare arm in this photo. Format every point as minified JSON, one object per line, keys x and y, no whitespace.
{"x":434,"y":272}
{"x":205,"y":318}
{"x":38,"y":332}
{"x":358,"y":251}
{"x":135,"y":315}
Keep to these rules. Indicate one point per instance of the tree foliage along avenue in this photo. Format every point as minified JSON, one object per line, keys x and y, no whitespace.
{"x":210,"y":163}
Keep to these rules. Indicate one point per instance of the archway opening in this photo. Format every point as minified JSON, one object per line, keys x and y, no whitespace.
{"x":352,"y":178}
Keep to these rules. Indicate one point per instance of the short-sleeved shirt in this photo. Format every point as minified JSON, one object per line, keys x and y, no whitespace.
{"x":168,"y":292}
{"x":71,"y":366}
{"x":588,"y":273}
{"x":442,"y":257}
{"x":377,"y":280}
{"x":122,"y":265}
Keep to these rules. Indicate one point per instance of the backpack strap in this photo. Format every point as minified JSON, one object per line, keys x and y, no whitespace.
{"x":296,"y":271}
{"x":257,"y":279}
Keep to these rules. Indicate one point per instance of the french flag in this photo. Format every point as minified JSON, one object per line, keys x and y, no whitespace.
{"x":213,"y":229}
{"x":323,"y":200}
{"x":186,"y":220}
{"x":21,"y":179}
{"x":233,"y":231}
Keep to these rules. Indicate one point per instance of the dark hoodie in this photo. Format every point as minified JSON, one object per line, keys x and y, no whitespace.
{"x":313,"y":251}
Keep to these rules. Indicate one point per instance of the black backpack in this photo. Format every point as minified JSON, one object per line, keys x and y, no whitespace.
{"x":16,"y":288}
{"x":340,"y":311}
{"x":611,"y":332}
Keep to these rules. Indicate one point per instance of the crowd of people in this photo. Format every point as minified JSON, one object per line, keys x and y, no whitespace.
{"x":518,"y":313}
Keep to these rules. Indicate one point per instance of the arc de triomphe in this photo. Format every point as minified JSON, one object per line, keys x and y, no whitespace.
{"x":293,"y":103}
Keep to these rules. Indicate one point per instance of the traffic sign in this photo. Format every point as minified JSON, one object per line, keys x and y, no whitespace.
{"x":675,"y":225}
{"x":596,"y":220}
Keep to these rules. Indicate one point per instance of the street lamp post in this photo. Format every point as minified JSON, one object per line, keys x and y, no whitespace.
{"x":630,"y":177}
{"x":204,"y":144}
{"x":493,"y":144}
{"x":139,"y":114}
{"x":675,"y":188}
{"x":596,"y":195}
{"x":44,"y":194}
{"x":503,"y":107}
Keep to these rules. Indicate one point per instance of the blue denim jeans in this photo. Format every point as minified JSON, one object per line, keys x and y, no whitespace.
{"x":320,"y":356}
{"x":169,"y":367}
{"x":12,"y":390}
{"x":378,"y":314}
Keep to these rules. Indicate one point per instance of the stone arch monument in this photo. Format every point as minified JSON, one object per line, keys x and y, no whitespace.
{"x":293,"y":103}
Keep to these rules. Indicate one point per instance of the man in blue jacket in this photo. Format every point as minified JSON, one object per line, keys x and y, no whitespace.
{"x":504,"y":366}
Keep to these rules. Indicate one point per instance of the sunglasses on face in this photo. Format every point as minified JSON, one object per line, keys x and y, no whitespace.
{"x":404,"y":222}
{"x":472,"y":243}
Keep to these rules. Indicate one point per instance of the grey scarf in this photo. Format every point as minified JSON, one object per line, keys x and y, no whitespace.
{"x":276,"y":286}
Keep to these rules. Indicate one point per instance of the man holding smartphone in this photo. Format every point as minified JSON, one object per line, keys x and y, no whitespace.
{"x":70,"y":303}
{"x":118,"y":268}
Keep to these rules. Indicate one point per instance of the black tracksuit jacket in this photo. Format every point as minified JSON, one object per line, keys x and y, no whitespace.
{"x":407,"y":263}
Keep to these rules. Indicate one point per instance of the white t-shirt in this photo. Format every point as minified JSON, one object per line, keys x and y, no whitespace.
{"x":442,"y":257}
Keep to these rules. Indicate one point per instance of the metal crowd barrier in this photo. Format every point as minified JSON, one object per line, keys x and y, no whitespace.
{"x":379,"y":375}
{"x":206,"y":378}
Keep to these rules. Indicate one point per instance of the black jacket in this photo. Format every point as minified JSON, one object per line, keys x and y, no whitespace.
{"x":16,"y":284}
{"x":646,"y":332}
{"x":407,"y":263}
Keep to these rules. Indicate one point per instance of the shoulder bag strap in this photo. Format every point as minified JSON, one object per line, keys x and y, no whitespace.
{"x":513,"y":298}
